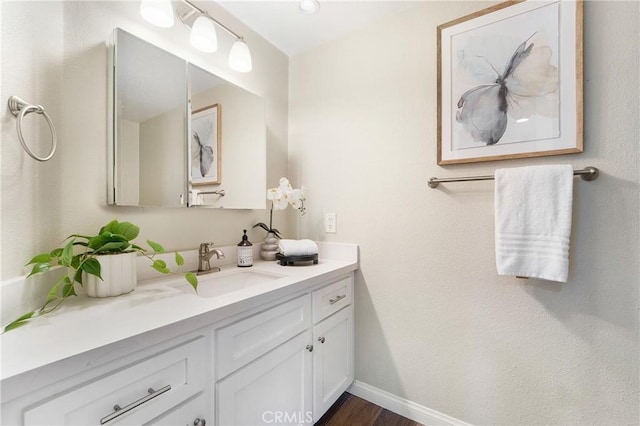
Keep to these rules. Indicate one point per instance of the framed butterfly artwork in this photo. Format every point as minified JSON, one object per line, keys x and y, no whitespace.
{"x":510,"y":82}
{"x":205,"y":146}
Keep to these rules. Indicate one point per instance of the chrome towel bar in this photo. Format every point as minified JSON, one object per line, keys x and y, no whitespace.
{"x":219,"y":192}
{"x":588,"y":174}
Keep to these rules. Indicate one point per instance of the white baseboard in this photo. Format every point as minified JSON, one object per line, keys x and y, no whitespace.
{"x":402,"y":406}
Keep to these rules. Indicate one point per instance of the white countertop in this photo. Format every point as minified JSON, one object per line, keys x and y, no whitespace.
{"x":83,"y":324}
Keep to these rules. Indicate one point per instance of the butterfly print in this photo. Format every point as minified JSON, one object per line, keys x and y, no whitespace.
{"x":528,"y":85}
{"x":205,"y":155}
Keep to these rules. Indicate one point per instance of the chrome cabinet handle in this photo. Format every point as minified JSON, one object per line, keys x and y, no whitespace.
{"x":321,"y":339}
{"x":118,"y":411}
{"x":337,"y":299}
{"x":199,"y":422}
{"x":310,"y":348}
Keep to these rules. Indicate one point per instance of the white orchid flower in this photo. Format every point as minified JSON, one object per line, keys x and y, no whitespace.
{"x":284,"y":183}
{"x":280,"y":203}
{"x":297,"y":198}
{"x":280,"y":198}
{"x":294,"y":198}
{"x":274,"y":194}
{"x":285,"y":187}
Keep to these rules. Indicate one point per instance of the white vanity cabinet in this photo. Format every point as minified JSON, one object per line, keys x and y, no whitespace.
{"x":277,"y":367}
{"x":278,"y":360}
{"x":333,"y":338}
{"x":165,"y":386}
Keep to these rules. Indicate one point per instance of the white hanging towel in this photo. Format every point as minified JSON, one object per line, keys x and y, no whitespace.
{"x":533,"y":221}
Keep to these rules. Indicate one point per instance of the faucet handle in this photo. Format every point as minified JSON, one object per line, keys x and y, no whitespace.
{"x":204,"y":247}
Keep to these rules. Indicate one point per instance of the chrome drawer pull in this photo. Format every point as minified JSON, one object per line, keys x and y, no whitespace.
{"x":337,"y":299}
{"x":118,"y":411}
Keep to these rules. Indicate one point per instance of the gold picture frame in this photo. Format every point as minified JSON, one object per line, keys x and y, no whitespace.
{"x":205,"y":146}
{"x":509,"y":82}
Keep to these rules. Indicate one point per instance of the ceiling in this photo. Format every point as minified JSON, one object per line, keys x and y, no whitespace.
{"x":284,"y":26}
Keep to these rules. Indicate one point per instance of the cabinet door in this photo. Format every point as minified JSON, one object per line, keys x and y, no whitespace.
{"x":273,"y":389}
{"x":332,"y":359}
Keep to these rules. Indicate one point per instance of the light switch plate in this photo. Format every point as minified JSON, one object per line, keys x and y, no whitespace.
{"x":330,"y":225}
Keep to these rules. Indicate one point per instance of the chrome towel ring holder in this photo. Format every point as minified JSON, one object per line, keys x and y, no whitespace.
{"x":20,"y":108}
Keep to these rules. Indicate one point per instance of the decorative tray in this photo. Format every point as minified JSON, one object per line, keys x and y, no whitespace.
{"x":291,"y":260}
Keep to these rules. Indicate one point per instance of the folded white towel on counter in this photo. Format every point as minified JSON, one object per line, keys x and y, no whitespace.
{"x":297,"y":247}
{"x":533,"y":221}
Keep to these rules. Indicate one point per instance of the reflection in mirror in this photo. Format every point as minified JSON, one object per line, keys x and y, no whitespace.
{"x":149,"y":154}
{"x":234,"y":118}
{"x":156,"y":159}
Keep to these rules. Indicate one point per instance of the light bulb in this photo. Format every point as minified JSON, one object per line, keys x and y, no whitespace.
{"x":203,"y":35}
{"x":157,"y":12}
{"x":240,"y":57}
{"x":309,"y":7}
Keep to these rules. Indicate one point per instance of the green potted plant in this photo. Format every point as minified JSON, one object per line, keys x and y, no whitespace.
{"x":85,"y":257}
{"x":280,"y":197}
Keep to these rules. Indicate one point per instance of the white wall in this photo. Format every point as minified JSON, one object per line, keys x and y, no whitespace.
{"x":54,"y":54}
{"x":434,"y":323}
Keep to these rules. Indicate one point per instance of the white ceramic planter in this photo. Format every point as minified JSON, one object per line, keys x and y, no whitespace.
{"x":118,"y":276}
{"x":270,"y":247}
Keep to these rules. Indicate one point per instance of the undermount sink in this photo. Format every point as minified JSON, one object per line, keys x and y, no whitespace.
{"x":219,"y":283}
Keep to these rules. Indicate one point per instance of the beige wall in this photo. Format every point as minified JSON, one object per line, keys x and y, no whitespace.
{"x":54,"y":54}
{"x":434,"y":323}
{"x":162,"y":161}
{"x":128,"y":162}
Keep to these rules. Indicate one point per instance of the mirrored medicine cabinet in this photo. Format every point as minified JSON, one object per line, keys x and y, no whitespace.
{"x":180,"y":135}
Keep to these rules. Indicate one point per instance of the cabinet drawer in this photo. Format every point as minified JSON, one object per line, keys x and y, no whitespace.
{"x":196,"y":408}
{"x":332,"y":298}
{"x":243,"y":341}
{"x":175,"y":375}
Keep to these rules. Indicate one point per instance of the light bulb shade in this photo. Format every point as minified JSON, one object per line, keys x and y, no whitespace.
{"x":203,"y":35}
{"x":157,"y":12}
{"x":309,"y":7}
{"x":240,"y":57}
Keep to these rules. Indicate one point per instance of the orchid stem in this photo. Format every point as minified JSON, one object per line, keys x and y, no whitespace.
{"x":271,"y":217}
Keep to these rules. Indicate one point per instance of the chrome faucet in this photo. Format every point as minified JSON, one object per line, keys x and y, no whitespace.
{"x":205,"y":253}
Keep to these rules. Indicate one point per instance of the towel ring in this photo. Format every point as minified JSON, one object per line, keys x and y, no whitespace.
{"x":20,"y":108}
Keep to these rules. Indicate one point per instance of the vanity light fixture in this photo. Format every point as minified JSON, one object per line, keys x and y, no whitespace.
{"x":158,"y":12}
{"x":203,"y":32}
{"x":240,"y":57}
{"x":203,"y":35}
{"x":309,"y":7}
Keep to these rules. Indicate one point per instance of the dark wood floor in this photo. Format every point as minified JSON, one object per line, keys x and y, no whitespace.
{"x":353,"y":411}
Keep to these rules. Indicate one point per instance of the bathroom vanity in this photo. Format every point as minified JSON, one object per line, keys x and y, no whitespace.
{"x":261,"y":345}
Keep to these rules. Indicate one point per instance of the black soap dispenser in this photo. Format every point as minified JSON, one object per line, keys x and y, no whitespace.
{"x":245,"y":252}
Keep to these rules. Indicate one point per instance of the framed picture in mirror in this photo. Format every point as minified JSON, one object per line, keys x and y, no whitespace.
{"x":510,"y":82}
{"x":205,"y":146}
